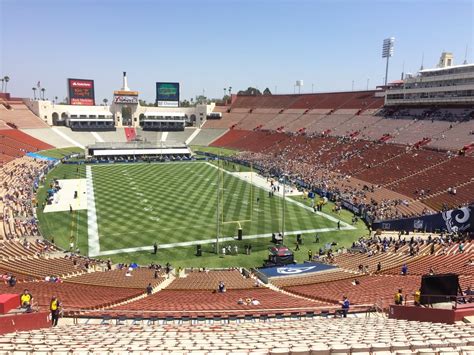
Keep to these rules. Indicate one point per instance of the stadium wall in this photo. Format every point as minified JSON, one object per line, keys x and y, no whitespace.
{"x":45,"y":110}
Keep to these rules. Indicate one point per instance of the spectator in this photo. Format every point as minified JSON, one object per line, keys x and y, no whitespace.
{"x":149,"y":289}
{"x":404,"y":271}
{"x":469,"y":292}
{"x":26,"y":300}
{"x":221,"y":287}
{"x":12,"y":281}
{"x":417,"y":297}
{"x":255,"y":302}
{"x":54,"y":307}
{"x":345,"y":306}
{"x":398,"y":297}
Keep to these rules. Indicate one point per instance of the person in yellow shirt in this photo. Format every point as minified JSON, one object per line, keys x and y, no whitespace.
{"x":54,"y":307}
{"x":399,"y":297}
{"x":417,"y":297}
{"x":25,"y":300}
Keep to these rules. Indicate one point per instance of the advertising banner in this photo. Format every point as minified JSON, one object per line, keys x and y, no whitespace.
{"x":167,"y":94}
{"x":452,"y":221}
{"x":81,"y":92}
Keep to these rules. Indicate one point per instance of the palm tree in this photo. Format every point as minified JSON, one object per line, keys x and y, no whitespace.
{"x":55,"y":99}
{"x":6,"y":79}
{"x":34,"y":92}
{"x":230,"y":90}
{"x":2,"y":83}
{"x":105,"y":102}
{"x":42,"y":92}
{"x":225,"y":92}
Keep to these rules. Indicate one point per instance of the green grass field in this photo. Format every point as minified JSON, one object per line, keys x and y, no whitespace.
{"x":61,"y":152}
{"x":138,"y":204}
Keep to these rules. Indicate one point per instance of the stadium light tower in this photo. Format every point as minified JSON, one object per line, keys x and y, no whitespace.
{"x":387,"y":52}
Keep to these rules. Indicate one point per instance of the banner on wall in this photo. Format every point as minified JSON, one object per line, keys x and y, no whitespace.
{"x":452,"y":221}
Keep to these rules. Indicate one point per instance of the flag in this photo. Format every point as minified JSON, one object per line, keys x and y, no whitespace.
{"x":39,"y":84}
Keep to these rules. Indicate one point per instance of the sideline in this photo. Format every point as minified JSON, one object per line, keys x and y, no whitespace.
{"x":209,"y":241}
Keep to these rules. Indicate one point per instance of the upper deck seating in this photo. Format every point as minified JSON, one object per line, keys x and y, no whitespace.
{"x":21,"y":117}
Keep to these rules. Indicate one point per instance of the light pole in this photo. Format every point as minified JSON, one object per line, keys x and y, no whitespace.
{"x":367,"y":88}
{"x":387,"y":52}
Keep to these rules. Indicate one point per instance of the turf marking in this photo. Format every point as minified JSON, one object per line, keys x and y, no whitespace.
{"x":92,"y":227}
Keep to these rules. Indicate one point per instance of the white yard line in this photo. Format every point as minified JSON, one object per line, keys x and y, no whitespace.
{"x":92,"y":227}
{"x":302,"y":205}
{"x":66,"y":137}
{"x":209,"y":241}
{"x":164,"y":136}
{"x":97,"y":137}
{"x":192,"y":136}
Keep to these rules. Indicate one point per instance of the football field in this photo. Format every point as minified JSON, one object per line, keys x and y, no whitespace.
{"x":177,"y":205}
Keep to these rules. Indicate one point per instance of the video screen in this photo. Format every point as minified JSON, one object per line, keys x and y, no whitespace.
{"x":81,"y":92}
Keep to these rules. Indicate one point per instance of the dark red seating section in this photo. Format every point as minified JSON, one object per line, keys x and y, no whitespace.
{"x":417,"y":173}
{"x":15,"y":143}
{"x":335,"y":100}
{"x":73,"y":296}
{"x":372,"y":290}
{"x":205,"y":302}
{"x":450,"y":173}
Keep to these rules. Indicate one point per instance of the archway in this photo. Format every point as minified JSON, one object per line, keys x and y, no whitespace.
{"x":126,"y":116}
{"x":55,"y":117}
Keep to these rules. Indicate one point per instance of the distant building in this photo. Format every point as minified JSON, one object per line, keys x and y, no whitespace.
{"x":448,"y":84}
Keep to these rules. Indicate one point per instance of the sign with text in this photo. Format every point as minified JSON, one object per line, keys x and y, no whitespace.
{"x":167,"y":94}
{"x":125,"y":99}
{"x":81,"y":92}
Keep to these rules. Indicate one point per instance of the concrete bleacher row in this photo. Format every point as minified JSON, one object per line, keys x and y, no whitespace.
{"x":316,"y":336}
{"x":21,"y":117}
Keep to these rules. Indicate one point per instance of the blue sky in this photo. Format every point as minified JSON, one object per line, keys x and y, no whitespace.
{"x":209,"y":44}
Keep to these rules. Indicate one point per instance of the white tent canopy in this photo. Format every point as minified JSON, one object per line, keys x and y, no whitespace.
{"x":164,"y":114}
{"x":80,"y":113}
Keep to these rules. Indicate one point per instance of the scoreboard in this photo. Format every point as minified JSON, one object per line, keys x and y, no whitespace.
{"x":167,"y":94}
{"x":81,"y":92}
